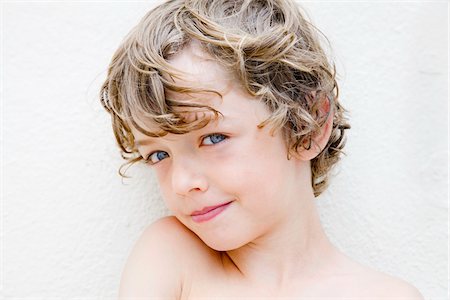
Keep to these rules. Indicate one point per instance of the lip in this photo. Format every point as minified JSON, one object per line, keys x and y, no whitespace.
{"x":209,"y":212}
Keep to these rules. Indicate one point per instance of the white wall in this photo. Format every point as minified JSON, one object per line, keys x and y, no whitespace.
{"x":67,"y":220}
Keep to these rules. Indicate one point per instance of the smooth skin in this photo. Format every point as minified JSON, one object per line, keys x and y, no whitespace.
{"x":269,"y":242}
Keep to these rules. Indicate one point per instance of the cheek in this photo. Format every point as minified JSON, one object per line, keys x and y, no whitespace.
{"x":257,"y":172}
{"x":165,"y":188}
{"x":259,"y":178}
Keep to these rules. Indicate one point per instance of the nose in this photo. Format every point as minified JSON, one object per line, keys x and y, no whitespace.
{"x":187,"y":176}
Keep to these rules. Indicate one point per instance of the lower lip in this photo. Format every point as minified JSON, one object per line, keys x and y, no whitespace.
{"x":210,"y":214}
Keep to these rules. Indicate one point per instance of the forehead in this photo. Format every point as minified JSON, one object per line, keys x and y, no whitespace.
{"x":196,"y":69}
{"x":199,"y":70}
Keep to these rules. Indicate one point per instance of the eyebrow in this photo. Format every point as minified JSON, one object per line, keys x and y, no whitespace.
{"x":143,"y":142}
{"x":149,"y":141}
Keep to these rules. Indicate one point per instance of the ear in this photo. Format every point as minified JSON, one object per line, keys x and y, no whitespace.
{"x":320,"y":139}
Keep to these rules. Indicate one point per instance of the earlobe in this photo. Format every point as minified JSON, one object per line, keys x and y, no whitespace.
{"x":316,"y":143}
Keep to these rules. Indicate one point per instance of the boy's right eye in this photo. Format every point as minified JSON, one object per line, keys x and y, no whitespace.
{"x":156,"y":156}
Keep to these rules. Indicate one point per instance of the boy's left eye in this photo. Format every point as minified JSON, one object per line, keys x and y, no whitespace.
{"x":214,"y":138}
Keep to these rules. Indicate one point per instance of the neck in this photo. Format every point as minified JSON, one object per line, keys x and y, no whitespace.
{"x":296,"y":248}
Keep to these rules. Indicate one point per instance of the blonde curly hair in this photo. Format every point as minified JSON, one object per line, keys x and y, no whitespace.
{"x":269,"y":45}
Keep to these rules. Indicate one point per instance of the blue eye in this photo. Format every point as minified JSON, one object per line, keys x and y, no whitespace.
{"x":211,"y":139}
{"x":158,"y":156}
{"x":215,"y":138}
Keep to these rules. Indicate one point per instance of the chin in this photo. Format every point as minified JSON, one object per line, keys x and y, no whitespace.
{"x":223,"y":245}
{"x":223,"y":242}
{"x":220,"y":236}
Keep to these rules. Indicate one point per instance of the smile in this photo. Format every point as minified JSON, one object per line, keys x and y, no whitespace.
{"x":209,"y":212}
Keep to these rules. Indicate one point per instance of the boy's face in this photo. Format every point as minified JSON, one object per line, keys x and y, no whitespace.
{"x":230,"y":162}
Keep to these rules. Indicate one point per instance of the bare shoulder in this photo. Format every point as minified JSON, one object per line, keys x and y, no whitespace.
{"x":159,"y":259}
{"x":379,"y":285}
{"x":395,"y":288}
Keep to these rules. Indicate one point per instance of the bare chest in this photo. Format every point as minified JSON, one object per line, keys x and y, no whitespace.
{"x":217,"y":285}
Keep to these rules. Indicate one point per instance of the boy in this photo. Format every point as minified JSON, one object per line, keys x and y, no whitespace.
{"x":234,"y":105}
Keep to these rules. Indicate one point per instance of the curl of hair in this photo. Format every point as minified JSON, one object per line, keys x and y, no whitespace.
{"x":269,"y":45}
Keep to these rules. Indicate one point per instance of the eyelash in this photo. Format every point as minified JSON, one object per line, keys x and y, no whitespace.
{"x":225,"y":137}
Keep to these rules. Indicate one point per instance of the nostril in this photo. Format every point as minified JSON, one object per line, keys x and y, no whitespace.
{"x":184,"y":183}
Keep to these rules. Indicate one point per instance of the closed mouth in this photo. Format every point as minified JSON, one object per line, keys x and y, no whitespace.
{"x":208,"y":209}
{"x":209,"y":212}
